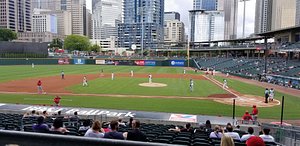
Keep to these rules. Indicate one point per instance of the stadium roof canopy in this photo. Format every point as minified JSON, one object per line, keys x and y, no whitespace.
{"x":232,"y":40}
{"x":273,"y":33}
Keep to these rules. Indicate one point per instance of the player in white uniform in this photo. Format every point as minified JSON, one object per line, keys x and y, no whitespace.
{"x":150,"y":78}
{"x":112,"y":76}
{"x":191,"y":85}
{"x":225,"y":83}
{"x":184,"y":71}
{"x":84,"y":82}
{"x":131,"y":73}
{"x":271,"y":94}
{"x":32,"y":65}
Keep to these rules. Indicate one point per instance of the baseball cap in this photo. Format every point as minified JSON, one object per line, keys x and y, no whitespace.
{"x":255,"y":141}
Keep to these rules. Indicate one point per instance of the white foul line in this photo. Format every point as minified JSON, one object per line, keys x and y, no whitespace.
{"x":220,"y":85}
{"x":41,"y":99}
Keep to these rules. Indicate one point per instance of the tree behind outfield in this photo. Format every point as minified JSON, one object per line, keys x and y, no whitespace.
{"x":95,"y":48}
{"x":56,"y":43}
{"x":7,"y":35}
{"x":77,"y":42}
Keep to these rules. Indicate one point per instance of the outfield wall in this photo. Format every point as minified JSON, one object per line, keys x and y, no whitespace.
{"x":83,"y":61}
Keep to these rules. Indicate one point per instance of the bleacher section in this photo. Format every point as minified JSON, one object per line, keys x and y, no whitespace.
{"x":157,"y":133}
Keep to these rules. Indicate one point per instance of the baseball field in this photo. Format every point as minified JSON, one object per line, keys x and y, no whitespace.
{"x":18,"y":86}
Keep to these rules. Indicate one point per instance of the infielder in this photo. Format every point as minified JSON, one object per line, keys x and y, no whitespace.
{"x":112,"y":76}
{"x":131,"y":73}
{"x":225,"y":83}
{"x":191,"y":85}
{"x":62,"y":75}
{"x":150,"y":78}
{"x":84,"y":82}
{"x":184,"y":71}
{"x":39,"y":86}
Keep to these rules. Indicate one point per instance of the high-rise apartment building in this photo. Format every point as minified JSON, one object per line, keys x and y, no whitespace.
{"x":207,"y":5}
{"x":283,"y":14}
{"x":206,"y":25}
{"x":16,"y":15}
{"x":171,"y":16}
{"x":107,"y":14}
{"x":230,"y":17}
{"x":263,"y":16}
{"x":143,"y":24}
{"x":297,"y":12}
{"x":174,"y":31}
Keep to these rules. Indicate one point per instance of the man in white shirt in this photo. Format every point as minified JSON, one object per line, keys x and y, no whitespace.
{"x":233,"y":135}
{"x":266,"y":137}
{"x":247,"y":136}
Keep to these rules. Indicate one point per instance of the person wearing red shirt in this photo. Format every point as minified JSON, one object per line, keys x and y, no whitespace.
{"x":254,"y":112}
{"x":39,"y":86}
{"x":57,"y":100}
{"x":247,"y":117}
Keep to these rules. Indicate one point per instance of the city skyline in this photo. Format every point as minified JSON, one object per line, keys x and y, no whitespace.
{"x":183,"y":7}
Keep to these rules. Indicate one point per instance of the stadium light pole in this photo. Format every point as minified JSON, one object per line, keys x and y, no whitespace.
{"x":244,"y":16}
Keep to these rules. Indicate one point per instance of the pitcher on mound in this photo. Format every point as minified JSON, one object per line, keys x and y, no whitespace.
{"x":150,"y":78}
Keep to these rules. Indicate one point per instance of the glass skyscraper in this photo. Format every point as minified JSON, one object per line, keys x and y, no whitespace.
{"x":143,"y":24}
{"x":207,"y":5}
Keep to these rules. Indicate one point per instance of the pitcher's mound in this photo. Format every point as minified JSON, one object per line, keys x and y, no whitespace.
{"x":153,"y":85}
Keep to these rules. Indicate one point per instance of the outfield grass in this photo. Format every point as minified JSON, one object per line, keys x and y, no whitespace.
{"x":130,"y":86}
{"x":188,"y":106}
{"x":25,"y":71}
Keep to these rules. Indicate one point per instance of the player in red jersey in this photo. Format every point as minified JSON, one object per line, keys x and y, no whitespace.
{"x":57,"y":100}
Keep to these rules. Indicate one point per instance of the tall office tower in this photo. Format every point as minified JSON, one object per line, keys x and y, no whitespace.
{"x":79,"y":16}
{"x":44,"y":22}
{"x":297,"y":12}
{"x":283,"y":14}
{"x":16,"y":15}
{"x":263,"y":16}
{"x":106,"y":15}
{"x":206,"y":25}
{"x":46,"y":4}
{"x":143,"y":24}
{"x":230,"y":17}
{"x":171,"y":16}
{"x":207,"y":5}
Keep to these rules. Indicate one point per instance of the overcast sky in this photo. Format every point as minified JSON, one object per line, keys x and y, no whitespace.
{"x":183,"y":7}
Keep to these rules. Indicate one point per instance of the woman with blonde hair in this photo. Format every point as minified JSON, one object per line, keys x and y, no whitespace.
{"x":96,"y":131}
{"x":227,"y":141}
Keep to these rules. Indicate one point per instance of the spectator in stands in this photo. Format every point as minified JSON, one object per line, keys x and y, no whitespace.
{"x":33,"y":113}
{"x":114,"y":134}
{"x":187,"y":128}
{"x":129,"y":124}
{"x":208,"y":126}
{"x":255,"y":141}
{"x":136,"y":134}
{"x":105,"y":126}
{"x":96,"y":131}
{"x":247,"y":117}
{"x":40,"y":126}
{"x":247,"y":136}
{"x":266,"y":135}
{"x":121,"y":123}
{"x":45,"y":114}
{"x":232,"y":134}
{"x":217,"y":133}
{"x":58,"y":126}
{"x":237,"y":128}
{"x":227,"y":141}
{"x":27,"y":114}
{"x":85,"y":125}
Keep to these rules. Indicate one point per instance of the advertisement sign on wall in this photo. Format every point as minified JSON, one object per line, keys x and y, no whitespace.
{"x":177,"y":62}
{"x":139,"y":62}
{"x":150,"y":63}
{"x":63,"y":61}
{"x":79,"y":61}
{"x":100,"y":61}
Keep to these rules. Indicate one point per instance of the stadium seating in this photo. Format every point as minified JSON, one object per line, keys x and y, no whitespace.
{"x":155,"y":132}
